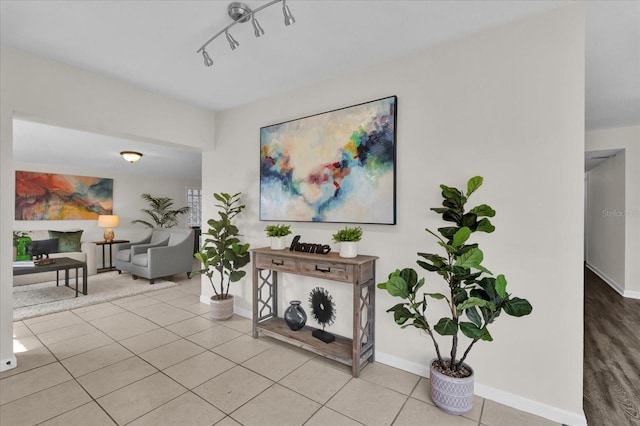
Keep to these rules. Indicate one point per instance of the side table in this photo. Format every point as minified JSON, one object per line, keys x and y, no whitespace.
{"x":110,"y":244}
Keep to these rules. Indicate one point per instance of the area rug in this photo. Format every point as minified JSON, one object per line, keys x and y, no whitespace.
{"x":34,"y":300}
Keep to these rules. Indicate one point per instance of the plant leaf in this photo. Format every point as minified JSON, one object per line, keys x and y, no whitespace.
{"x":397,"y":287}
{"x":471,"y":330}
{"x":483,"y":210}
{"x":517,"y":307}
{"x":474,"y":316}
{"x":472,"y":259}
{"x":446,"y":327}
{"x":501,"y":286}
{"x":438,"y":296}
{"x":486,"y":335}
{"x":473,"y":184}
{"x":460,"y":237}
{"x":484,"y":225}
{"x":471,"y":302}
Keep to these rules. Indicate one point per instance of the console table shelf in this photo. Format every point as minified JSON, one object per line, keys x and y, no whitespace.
{"x":358,"y":272}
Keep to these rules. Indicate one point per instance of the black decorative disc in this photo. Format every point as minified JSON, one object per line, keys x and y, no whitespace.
{"x":322,"y":306}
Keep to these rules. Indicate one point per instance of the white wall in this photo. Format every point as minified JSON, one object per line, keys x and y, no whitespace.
{"x":58,"y":94}
{"x":507,"y":104}
{"x":126,"y":203}
{"x":627,"y":138}
{"x":606,"y":221}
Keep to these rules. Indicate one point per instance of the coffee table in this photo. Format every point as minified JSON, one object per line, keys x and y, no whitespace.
{"x":61,"y":264}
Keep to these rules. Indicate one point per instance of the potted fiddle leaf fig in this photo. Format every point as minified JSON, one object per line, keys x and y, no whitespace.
{"x":277,"y":234}
{"x":348,"y":239}
{"x":475,"y":297}
{"x":223,"y":254}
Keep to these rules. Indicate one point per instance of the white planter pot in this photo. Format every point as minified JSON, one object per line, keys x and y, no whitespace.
{"x":278,"y":243}
{"x":452,"y":395}
{"x":348,"y":249}
{"x":221,"y":309}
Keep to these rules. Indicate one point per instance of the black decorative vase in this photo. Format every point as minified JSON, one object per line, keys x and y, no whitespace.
{"x":295,"y":316}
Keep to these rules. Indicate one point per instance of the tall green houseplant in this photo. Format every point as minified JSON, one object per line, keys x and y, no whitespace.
{"x":160,"y":213}
{"x":475,"y":298}
{"x":222,"y":251}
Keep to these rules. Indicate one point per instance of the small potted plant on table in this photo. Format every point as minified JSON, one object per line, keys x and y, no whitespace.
{"x":473,"y":292}
{"x":348,"y":239}
{"x":277,"y":234}
{"x":224,"y":254}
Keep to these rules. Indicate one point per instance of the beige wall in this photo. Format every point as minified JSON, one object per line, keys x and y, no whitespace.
{"x":627,"y":138}
{"x":507,"y":104}
{"x":58,"y":94}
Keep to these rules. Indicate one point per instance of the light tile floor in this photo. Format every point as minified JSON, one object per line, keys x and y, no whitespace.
{"x":157,"y":359}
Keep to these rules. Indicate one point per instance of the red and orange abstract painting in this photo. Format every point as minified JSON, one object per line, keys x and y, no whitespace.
{"x":48,"y":196}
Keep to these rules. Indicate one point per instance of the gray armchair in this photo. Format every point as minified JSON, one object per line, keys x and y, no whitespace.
{"x":157,"y":238}
{"x":162,"y":261}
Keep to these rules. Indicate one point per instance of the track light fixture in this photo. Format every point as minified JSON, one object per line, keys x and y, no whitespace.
{"x":240,"y":13}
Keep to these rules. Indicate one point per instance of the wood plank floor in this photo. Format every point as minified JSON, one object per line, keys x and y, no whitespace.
{"x":611,"y":355}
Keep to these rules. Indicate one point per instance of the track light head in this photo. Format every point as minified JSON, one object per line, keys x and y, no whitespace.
{"x":257,"y":29}
{"x":207,"y":59}
{"x":288,"y":17}
{"x":233,"y":43}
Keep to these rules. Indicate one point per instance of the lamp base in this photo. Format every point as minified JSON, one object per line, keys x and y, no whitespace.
{"x":109,"y":235}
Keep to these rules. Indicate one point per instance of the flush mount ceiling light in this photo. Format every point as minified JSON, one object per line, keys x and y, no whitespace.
{"x":241,"y":13}
{"x":131,"y":156}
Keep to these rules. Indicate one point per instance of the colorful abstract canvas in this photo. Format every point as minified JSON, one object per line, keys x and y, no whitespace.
{"x":338,"y":166}
{"x":47,"y":196}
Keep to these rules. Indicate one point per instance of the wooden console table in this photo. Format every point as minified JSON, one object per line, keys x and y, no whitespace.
{"x":358,"y":271}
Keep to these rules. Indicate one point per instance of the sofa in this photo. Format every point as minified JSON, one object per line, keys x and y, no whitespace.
{"x":70,"y":245}
{"x":164,"y":253}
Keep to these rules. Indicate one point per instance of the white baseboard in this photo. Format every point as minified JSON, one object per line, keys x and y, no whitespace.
{"x":8,"y":363}
{"x":614,"y":285}
{"x":503,"y":397}
{"x":632,"y":294}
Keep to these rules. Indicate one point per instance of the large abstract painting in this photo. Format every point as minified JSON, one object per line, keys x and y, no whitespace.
{"x":338,"y":166}
{"x":47,"y":196}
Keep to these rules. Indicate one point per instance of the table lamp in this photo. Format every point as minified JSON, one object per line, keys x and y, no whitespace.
{"x":108,"y":221}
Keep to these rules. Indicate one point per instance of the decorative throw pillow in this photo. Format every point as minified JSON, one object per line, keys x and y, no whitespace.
{"x":38,"y":248}
{"x":67,"y":241}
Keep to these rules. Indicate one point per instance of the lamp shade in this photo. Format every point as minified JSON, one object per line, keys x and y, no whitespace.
{"x":108,"y":221}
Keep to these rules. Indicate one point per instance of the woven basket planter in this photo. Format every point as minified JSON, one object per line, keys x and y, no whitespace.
{"x":451,"y":394}
{"x":221,"y":309}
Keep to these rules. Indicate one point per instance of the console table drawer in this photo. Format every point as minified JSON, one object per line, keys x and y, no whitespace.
{"x":327,"y":270}
{"x":276,"y":263}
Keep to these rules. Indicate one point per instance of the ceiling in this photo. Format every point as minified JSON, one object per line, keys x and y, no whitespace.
{"x":152,"y":44}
